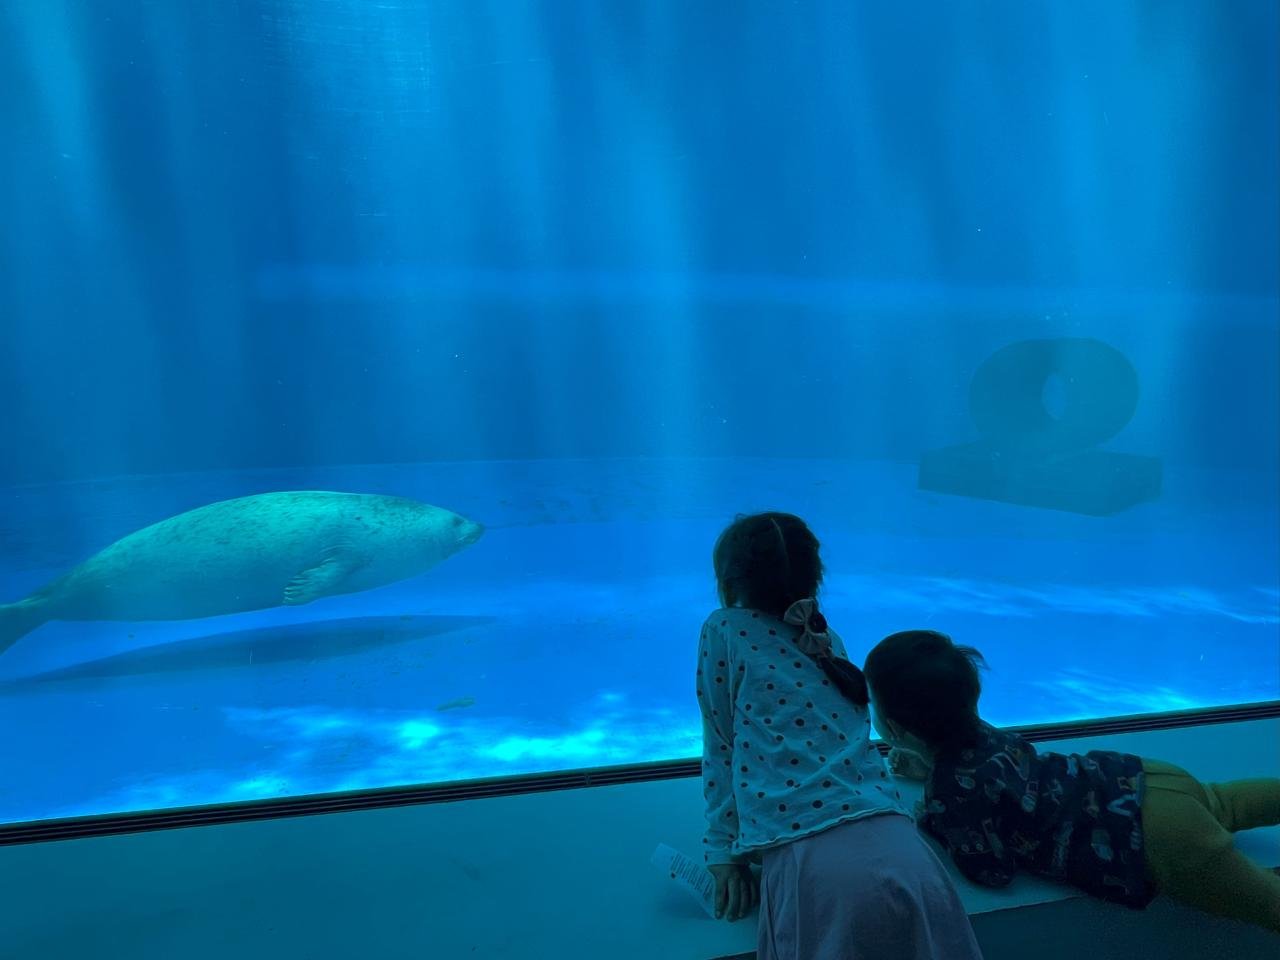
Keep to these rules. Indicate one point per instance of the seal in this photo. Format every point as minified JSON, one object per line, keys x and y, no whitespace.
{"x":251,"y":553}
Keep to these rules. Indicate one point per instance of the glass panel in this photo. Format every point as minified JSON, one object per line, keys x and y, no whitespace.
{"x":986,"y":292}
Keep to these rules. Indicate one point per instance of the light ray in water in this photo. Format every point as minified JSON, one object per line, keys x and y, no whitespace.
{"x":322,"y":750}
{"x":1083,"y":694}
{"x":1259,"y":605}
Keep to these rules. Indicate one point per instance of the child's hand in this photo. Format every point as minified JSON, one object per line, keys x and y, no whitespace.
{"x":908,"y":765}
{"x":737,"y":890}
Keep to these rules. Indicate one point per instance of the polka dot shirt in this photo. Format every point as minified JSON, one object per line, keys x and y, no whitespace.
{"x":784,"y":754}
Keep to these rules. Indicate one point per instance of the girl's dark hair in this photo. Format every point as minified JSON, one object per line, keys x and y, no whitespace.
{"x":768,"y":561}
{"x":928,"y":685}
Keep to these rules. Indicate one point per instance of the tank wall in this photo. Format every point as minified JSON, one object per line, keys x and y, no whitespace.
{"x":275,"y":234}
{"x":989,"y":293}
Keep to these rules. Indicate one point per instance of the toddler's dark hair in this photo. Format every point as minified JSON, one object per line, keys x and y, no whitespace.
{"x":927,"y":684}
{"x":767,"y":561}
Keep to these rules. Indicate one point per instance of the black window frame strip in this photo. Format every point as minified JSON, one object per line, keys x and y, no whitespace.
{"x":245,"y":811}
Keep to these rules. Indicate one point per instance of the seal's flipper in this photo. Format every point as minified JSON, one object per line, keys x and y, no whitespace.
{"x":316,"y":582}
{"x":19,"y":619}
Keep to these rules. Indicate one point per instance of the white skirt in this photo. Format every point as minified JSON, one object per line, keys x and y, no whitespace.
{"x":867,"y":889}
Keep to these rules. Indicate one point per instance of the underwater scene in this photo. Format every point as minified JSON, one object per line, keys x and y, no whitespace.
{"x":376,"y":378}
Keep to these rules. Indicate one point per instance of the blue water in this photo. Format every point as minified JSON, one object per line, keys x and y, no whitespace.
{"x":601,"y":276}
{"x":562,"y":640}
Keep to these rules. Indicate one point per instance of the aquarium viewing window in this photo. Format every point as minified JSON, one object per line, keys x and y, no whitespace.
{"x":376,"y":380}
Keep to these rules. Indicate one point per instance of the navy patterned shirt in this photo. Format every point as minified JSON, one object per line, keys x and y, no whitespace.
{"x":997,"y":805}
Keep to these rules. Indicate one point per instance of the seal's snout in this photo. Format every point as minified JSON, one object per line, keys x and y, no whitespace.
{"x":469,"y":532}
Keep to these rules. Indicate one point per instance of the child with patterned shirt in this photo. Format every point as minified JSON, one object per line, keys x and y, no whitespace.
{"x":1118,"y":826}
{"x":791,"y":778}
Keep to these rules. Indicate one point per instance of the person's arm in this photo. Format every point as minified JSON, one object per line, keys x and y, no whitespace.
{"x":967,"y":823}
{"x":736,"y":890}
{"x":909,"y":765}
{"x":715,"y":700}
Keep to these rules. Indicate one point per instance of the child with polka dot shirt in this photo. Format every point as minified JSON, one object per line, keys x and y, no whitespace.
{"x":791,"y":779}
